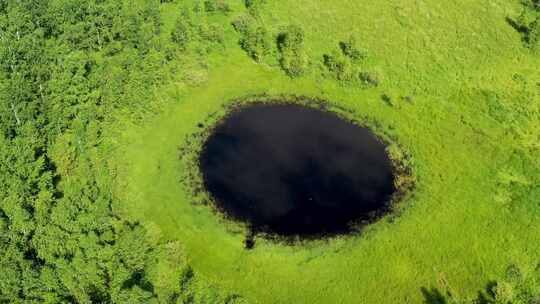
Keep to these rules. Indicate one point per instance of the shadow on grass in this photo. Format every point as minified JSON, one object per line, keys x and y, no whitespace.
{"x":436,"y":296}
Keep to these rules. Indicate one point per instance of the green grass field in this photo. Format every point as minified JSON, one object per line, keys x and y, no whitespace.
{"x":451,"y":83}
{"x":452,"y":233}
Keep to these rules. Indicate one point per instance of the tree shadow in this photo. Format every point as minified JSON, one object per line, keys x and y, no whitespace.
{"x":520,"y":28}
{"x":433,"y":296}
{"x":523,"y":30}
{"x":436,"y":296}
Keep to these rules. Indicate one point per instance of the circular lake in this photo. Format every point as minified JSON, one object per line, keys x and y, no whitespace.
{"x":293,"y":170}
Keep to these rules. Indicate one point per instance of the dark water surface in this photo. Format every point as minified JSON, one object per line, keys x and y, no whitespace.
{"x":295,"y":170}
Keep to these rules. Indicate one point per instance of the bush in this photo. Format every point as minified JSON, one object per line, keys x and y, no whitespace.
{"x":528,"y":24}
{"x":252,"y":3}
{"x":339,"y":66}
{"x":293,"y":64}
{"x":255,"y":39}
{"x":180,"y":34}
{"x":532,"y":4}
{"x":212,"y":33}
{"x":533,"y":38}
{"x":291,"y":47}
{"x":369,"y":79}
{"x":388,"y":99}
{"x":211,"y":6}
{"x":344,"y":64}
{"x":256,"y":43}
{"x":243,"y":23}
{"x":518,"y":287}
{"x":254,"y":6}
{"x":292,"y":38}
{"x":350,"y":49}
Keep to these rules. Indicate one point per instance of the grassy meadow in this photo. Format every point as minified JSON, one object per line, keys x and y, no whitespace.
{"x":452,"y":233}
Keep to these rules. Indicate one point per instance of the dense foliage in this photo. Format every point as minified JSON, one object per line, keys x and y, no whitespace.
{"x":528,"y":24}
{"x":65,"y":68}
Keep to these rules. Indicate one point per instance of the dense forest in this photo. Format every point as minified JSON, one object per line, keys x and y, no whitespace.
{"x":73,"y":73}
{"x":66,"y":68}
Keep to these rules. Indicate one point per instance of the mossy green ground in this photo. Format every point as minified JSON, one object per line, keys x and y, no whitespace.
{"x":454,"y":232}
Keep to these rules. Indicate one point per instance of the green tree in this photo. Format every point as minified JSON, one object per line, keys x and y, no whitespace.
{"x":180,"y":34}
{"x":255,"y":39}
{"x":290,"y":44}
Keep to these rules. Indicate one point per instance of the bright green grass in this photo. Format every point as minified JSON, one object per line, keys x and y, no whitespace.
{"x":451,"y":233}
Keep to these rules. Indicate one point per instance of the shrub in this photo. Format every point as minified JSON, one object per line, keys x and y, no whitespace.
{"x":292,"y":38}
{"x":251,"y":3}
{"x":256,"y":43}
{"x":388,"y":99}
{"x":345,"y":66}
{"x":350,"y":49}
{"x":518,"y":287}
{"x":211,"y":6}
{"x":254,"y":6}
{"x":290,"y":44}
{"x":528,"y":24}
{"x":242,"y":23}
{"x":532,"y":4}
{"x":180,"y":34}
{"x":533,"y":38}
{"x":369,"y":79}
{"x":212,"y":33}
{"x":293,"y":64}
{"x":255,"y":39}
{"x":339,"y":66}
{"x":408,"y":99}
